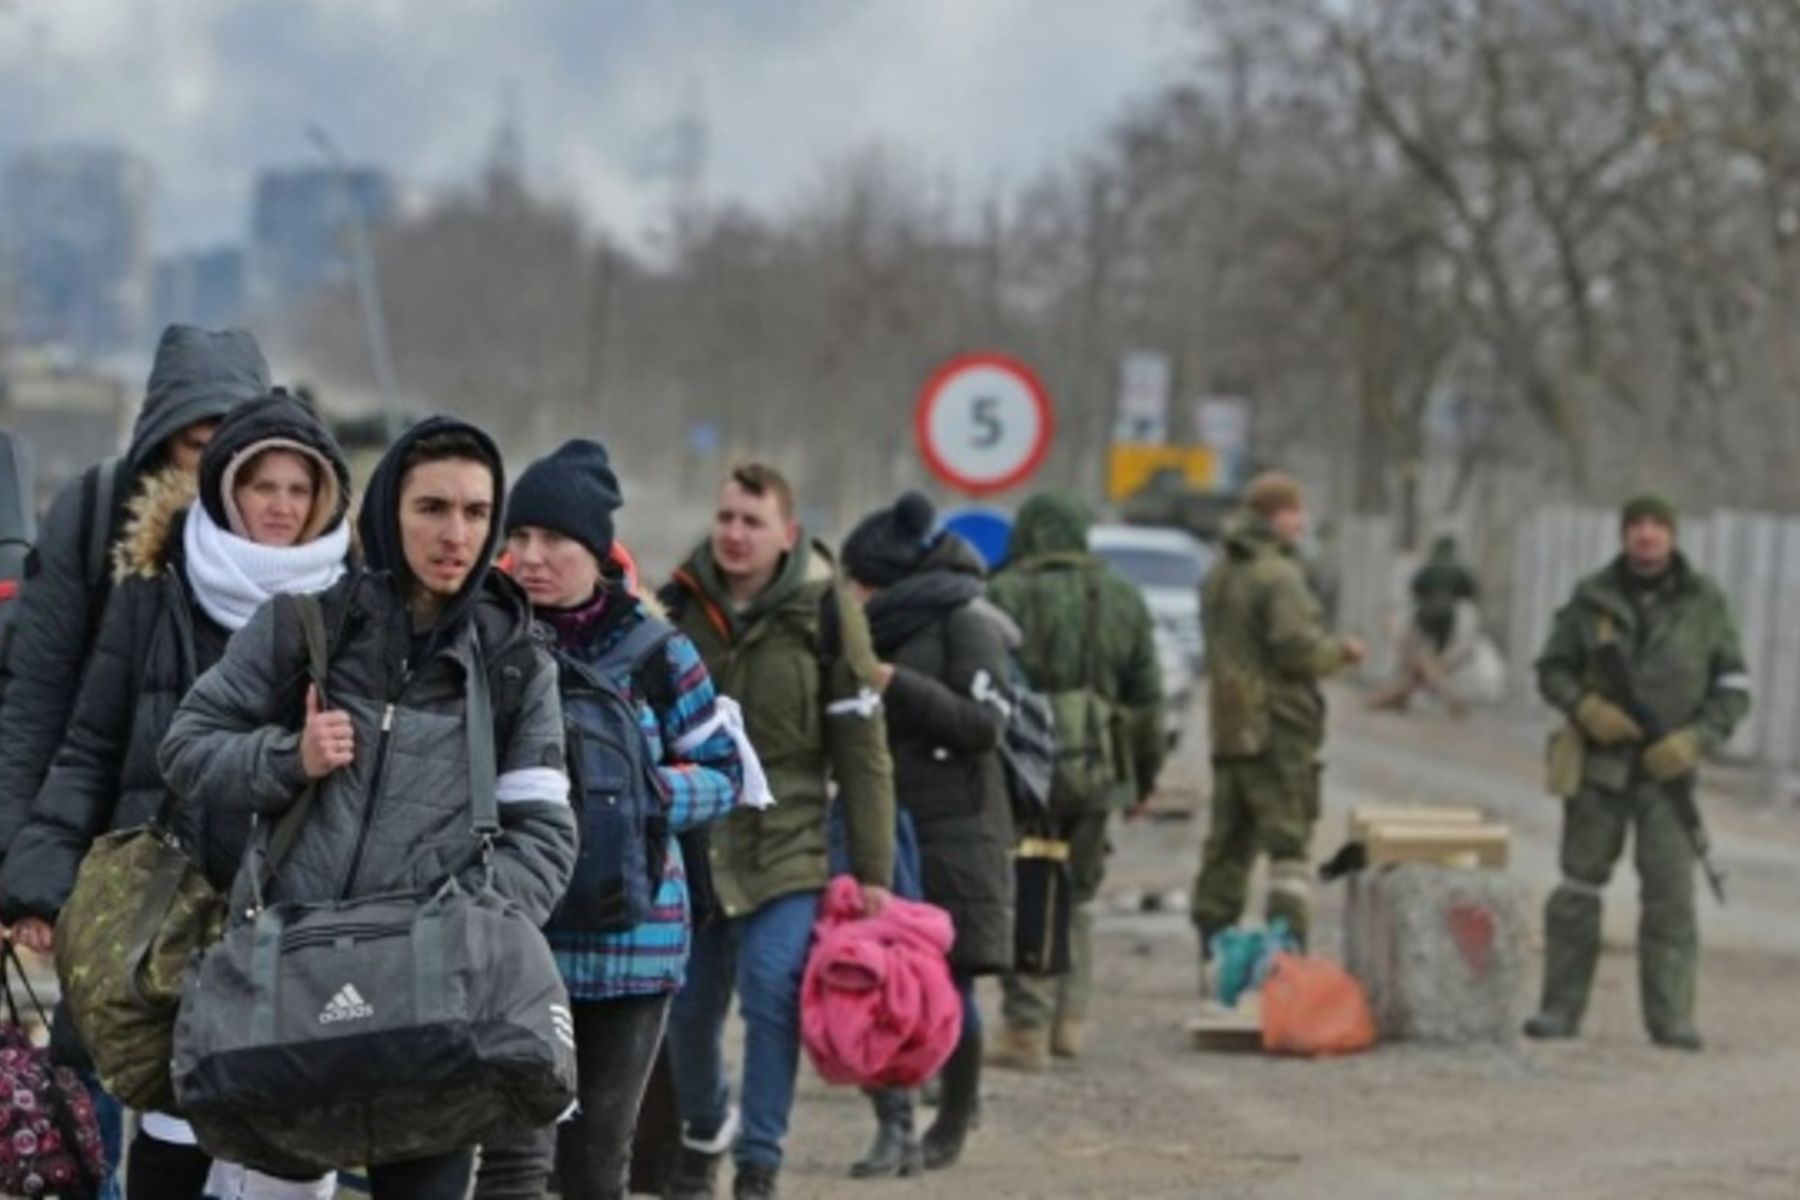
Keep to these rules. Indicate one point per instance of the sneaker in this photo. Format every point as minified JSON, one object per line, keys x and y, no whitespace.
{"x":755,"y":1183}
{"x":694,"y":1175}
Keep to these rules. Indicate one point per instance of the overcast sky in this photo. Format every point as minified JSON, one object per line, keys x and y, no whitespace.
{"x":208,"y":91}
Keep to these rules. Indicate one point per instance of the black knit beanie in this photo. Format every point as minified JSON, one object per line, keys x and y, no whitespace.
{"x":1650,"y":507}
{"x":890,"y":543}
{"x":573,"y":492}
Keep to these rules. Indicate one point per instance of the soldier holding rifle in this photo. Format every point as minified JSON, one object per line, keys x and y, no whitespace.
{"x":1644,"y":660}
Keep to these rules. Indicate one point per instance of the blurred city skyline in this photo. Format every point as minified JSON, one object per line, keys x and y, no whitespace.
{"x":617,"y":107}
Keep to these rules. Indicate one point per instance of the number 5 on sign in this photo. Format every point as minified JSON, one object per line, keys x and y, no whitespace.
{"x":984,"y":423}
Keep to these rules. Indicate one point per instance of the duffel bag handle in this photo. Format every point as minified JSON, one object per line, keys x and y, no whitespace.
{"x":483,"y":771}
{"x":11,"y":965}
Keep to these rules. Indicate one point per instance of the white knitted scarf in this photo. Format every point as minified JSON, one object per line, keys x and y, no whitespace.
{"x":234,"y":576}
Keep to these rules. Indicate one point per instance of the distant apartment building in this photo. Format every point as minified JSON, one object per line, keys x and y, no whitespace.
{"x":75,"y":247}
{"x":300,"y":228}
{"x":206,"y":287}
{"x":67,"y":415}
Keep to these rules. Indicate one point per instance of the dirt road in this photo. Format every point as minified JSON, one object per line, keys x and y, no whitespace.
{"x":1144,"y":1116}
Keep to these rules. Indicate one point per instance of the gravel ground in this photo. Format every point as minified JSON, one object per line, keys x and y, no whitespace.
{"x":1143,"y":1115}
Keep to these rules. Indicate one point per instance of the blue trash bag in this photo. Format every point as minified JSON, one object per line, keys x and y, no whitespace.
{"x":1242,"y":957}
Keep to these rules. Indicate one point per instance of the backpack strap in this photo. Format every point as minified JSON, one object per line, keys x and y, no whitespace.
{"x":100,"y":516}
{"x":305,"y":611}
{"x":636,"y":647}
{"x":636,"y":655}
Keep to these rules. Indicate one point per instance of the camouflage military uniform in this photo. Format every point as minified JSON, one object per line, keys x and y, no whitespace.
{"x":1267,"y":649}
{"x":1045,"y":588}
{"x":1681,"y":644}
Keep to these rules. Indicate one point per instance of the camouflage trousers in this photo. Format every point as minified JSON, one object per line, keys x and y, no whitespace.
{"x":1034,"y":1003}
{"x":1260,"y":806}
{"x":1595,"y":825}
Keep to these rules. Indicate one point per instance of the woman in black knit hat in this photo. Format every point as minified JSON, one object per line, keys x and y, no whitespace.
{"x":559,"y":535}
{"x":944,"y":658}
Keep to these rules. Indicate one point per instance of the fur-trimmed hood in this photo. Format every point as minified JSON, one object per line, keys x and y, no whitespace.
{"x":151,"y":539}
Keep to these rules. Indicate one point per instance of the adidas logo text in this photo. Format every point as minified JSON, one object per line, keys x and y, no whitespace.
{"x":347,"y":1005}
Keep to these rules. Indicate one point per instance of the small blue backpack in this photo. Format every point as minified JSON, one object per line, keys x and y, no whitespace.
{"x":621,"y":810}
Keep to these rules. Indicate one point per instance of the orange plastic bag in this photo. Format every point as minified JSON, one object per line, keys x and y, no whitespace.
{"x":1313,"y":1008}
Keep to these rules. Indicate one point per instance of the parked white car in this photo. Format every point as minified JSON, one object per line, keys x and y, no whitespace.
{"x":1167,"y":565}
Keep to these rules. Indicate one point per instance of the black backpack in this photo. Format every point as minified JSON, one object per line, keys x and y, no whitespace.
{"x":1028,"y":747}
{"x":621,"y":808}
{"x":105,"y":496}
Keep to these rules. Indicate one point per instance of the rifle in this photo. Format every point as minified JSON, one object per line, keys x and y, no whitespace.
{"x":1614,"y":675}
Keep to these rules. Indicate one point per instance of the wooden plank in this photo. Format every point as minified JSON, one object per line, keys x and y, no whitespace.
{"x":1448,"y":845}
{"x":1229,"y":1030}
{"x":1365,"y":816}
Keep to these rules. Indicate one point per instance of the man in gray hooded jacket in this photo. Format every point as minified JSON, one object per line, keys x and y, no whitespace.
{"x":199,"y":375}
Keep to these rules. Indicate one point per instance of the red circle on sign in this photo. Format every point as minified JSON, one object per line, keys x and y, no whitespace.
{"x":936,"y":389}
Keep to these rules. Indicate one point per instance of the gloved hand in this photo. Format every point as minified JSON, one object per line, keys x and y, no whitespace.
{"x":1674,"y":757}
{"x":1605,"y":722}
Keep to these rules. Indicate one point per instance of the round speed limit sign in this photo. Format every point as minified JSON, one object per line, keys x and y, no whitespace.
{"x":984,"y":423}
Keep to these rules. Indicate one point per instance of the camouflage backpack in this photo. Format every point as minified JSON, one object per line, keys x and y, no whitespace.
{"x":141,"y":913}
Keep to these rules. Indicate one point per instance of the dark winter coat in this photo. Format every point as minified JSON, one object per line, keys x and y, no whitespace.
{"x":198,"y":375}
{"x":941,"y":635}
{"x":154,"y":641}
{"x":399,"y":817}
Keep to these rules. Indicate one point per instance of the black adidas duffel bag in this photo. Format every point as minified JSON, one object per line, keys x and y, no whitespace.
{"x":375,"y":1030}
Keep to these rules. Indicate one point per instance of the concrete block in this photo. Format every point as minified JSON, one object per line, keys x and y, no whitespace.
{"x":1441,"y":951}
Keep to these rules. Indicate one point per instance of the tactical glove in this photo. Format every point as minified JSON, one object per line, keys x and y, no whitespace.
{"x":1605,"y":722}
{"x":1674,"y":757}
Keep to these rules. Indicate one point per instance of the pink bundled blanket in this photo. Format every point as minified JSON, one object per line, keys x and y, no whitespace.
{"x":877,"y":1006}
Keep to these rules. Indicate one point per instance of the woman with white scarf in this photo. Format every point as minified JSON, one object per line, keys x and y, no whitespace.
{"x":266,"y":515}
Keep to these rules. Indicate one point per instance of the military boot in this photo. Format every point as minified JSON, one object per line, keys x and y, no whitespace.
{"x":895,"y":1150}
{"x":1550,"y":1027}
{"x":1026,"y":1050}
{"x":1680,"y":1037}
{"x":1068,"y":1038}
{"x":1571,"y":955}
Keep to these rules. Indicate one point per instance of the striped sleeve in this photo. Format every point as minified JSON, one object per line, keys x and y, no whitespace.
{"x":700,"y":768}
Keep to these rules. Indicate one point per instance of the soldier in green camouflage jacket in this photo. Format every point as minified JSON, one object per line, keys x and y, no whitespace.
{"x":1672,"y":629}
{"x":1088,"y":637}
{"x":1267,"y":650}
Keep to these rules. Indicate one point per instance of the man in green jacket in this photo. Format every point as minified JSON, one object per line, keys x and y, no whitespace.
{"x":1267,"y":650}
{"x":782,"y":638}
{"x":1652,"y":624}
{"x":1090,"y":644}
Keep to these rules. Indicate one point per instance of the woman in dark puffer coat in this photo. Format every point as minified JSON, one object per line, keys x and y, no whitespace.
{"x":273,"y":488}
{"x":944,"y":654}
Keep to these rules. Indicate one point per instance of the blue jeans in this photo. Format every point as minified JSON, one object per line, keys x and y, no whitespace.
{"x":965,"y":987}
{"x":111,"y":1115}
{"x":907,"y":884}
{"x":762,"y":955}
